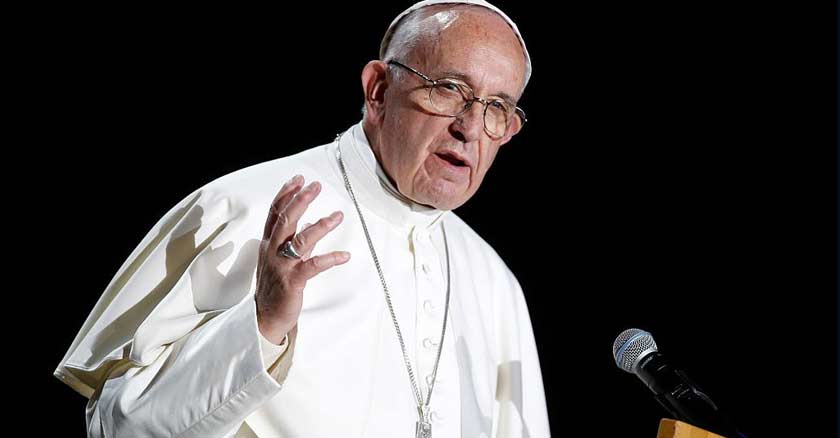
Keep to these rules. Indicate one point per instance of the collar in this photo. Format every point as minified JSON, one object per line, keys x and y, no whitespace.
{"x":375,"y":191}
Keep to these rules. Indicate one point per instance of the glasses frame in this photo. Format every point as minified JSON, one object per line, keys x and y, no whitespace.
{"x":469,"y":100}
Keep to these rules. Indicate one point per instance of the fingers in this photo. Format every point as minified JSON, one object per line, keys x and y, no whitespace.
{"x":287,"y":218}
{"x":318,"y":264}
{"x":305,"y":240}
{"x":289,"y":189}
{"x":304,"y":227}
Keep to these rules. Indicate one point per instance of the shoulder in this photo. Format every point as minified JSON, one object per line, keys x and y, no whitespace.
{"x":244,"y":195}
{"x":271,"y":175}
{"x":483,"y":256}
{"x":257,"y":184}
{"x":500,"y":287}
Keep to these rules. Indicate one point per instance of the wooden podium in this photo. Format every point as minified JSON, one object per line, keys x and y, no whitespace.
{"x":669,"y":428}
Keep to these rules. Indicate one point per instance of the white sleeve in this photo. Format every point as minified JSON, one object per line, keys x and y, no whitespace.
{"x":271,"y":351}
{"x":203,"y":385}
{"x":172,"y":347}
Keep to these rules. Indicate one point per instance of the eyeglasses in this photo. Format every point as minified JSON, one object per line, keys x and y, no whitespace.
{"x":452,"y":97}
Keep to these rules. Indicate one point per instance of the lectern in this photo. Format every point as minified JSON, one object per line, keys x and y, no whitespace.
{"x":669,"y":428}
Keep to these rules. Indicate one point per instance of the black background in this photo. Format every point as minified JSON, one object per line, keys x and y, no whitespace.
{"x":677,"y":174}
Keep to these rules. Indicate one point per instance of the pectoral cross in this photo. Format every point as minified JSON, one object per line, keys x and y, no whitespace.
{"x":424,"y":429}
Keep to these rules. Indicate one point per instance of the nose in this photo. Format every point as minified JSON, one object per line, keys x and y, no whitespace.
{"x":469,"y":126}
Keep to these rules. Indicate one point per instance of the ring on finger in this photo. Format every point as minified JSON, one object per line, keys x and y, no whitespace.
{"x":289,"y":250}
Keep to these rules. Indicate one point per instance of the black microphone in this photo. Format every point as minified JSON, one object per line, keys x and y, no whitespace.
{"x":636,"y":352}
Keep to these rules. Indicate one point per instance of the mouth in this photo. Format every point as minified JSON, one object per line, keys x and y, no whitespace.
{"x":453,"y":158}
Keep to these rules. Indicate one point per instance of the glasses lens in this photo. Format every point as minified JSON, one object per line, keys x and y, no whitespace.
{"x":448,"y":97}
{"x":496,"y":118}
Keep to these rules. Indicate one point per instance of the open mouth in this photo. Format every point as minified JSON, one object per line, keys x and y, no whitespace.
{"x":452,"y":159}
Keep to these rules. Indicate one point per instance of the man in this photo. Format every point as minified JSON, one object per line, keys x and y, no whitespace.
{"x":225,"y":323}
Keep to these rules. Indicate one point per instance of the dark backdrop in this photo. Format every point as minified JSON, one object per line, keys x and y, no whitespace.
{"x":677,"y":174}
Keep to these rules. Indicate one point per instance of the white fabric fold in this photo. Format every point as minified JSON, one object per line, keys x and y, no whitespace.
{"x":172,"y":347}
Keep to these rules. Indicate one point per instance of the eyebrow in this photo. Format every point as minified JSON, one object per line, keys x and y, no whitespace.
{"x":458,"y":75}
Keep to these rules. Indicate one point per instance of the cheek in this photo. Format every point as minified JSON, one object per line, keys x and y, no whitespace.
{"x":415,"y":149}
{"x":408,"y":158}
{"x":486,"y":159}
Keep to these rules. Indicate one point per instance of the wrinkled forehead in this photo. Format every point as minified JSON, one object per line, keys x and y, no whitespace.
{"x":490,"y":62}
{"x":445,"y":11}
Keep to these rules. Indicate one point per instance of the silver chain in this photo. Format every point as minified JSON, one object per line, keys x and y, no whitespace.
{"x":422,"y":408}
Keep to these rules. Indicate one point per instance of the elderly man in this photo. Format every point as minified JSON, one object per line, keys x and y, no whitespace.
{"x":225,"y":323}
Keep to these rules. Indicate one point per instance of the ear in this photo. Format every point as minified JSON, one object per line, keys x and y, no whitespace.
{"x":374,"y":84}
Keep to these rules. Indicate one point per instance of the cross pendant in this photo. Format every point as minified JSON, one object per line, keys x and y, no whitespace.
{"x":424,"y":429}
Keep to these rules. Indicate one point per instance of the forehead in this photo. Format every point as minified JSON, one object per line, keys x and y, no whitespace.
{"x":477,"y":47}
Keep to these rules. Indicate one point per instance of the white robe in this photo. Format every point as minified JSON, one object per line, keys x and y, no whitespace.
{"x":172,"y":348}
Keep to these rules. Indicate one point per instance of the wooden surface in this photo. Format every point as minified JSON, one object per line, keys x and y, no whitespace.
{"x":677,"y":429}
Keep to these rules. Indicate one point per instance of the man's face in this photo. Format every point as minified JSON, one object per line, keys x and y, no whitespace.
{"x":437,"y":160}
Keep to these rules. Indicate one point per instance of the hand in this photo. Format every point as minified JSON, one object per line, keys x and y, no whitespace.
{"x":280,"y":279}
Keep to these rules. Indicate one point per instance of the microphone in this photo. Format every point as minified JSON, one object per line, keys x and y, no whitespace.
{"x":636,"y":352}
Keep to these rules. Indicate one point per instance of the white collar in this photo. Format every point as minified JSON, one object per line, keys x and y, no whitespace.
{"x":375,"y":191}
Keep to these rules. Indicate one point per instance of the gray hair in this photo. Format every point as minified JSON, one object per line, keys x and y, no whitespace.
{"x":416,"y":28}
{"x":410,"y":32}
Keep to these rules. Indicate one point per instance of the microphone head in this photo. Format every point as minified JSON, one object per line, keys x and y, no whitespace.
{"x":630,"y":347}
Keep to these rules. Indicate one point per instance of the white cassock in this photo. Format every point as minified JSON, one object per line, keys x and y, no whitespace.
{"x":172,"y":347}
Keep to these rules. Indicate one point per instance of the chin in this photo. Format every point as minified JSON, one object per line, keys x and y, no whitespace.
{"x":446,"y":206}
{"x":441,"y":196}
{"x":446,"y":203}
